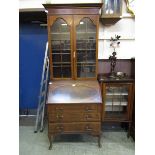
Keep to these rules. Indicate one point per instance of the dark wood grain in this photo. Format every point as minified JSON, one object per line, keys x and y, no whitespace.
{"x":76,"y":117}
{"x":74,"y":91}
{"x":65,"y":108}
{"x":118,"y":117}
{"x":82,"y":127}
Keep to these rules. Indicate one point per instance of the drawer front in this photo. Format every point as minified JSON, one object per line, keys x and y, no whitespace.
{"x":74,"y":127}
{"x":54,"y":108}
{"x":74,"y":117}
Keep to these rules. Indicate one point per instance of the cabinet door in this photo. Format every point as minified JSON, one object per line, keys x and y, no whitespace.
{"x":116,"y":101}
{"x":60,"y":45}
{"x":85,"y":46}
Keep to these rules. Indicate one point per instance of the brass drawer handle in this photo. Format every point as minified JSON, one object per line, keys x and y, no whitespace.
{"x":59,"y":116}
{"x":88,"y":128}
{"x":60,"y":128}
{"x":58,"y":108}
{"x":89,"y":109}
{"x":88,"y":117}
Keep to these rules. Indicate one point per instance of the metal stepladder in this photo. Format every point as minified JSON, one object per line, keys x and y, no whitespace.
{"x":39,"y":124}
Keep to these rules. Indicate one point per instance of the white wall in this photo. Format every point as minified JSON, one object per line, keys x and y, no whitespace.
{"x":28,"y":4}
{"x":124,"y":27}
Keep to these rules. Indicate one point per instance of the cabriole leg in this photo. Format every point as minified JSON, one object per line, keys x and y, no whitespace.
{"x":129,"y":130}
{"x":99,"y":141}
{"x":51,"y":141}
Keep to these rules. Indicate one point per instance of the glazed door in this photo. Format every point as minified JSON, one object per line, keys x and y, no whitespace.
{"x":61,"y":47}
{"x":116,"y":101}
{"x":85,"y":46}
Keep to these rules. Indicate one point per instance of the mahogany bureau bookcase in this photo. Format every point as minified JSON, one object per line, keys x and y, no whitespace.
{"x":74,"y":97}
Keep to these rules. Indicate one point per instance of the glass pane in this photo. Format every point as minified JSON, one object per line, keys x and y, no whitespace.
{"x":90,"y":56}
{"x":109,"y":7}
{"x":81,"y":71}
{"x":116,"y":101}
{"x":86,"y":48}
{"x":112,"y":7}
{"x":61,"y":49}
{"x":81,"y":44}
{"x":61,"y":70}
{"x":56,"y":51}
{"x":81,"y":56}
{"x":91,"y":45}
{"x":65,"y":45}
{"x":86,"y":71}
{"x":90,"y":71}
{"x":56,"y":57}
{"x":57,"y":71}
{"x":66,"y":57}
{"x":56,"y":45}
{"x":118,"y":3}
{"x":106,"y":9}
{"x":66,"y":71}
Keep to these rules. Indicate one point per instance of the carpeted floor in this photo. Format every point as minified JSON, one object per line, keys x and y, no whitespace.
{"x":113,"y":143}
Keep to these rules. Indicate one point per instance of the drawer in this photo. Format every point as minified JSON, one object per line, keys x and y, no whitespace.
{"x":74,"y":117}
{"x":74,"y":127}
{"x":54,"y":108}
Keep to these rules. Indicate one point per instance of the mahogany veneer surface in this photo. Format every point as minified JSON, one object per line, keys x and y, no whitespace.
{"x":71,"y":91}
{"x":74,"y":107}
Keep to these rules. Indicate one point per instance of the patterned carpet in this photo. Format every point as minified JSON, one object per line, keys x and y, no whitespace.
{"x":113,"y":143}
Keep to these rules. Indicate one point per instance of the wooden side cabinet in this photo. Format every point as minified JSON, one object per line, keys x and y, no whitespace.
{"x":117,"y":96}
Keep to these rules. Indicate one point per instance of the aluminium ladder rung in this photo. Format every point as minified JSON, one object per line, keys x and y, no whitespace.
{"x":44,"y":82}
{"x":43,"y":93}
{"x":41,"y":105}
{"x":43,"y":85}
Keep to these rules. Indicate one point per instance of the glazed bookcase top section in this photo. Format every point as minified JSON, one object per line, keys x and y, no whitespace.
{"x":78,"y":8}
{"x":73,"y":44}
